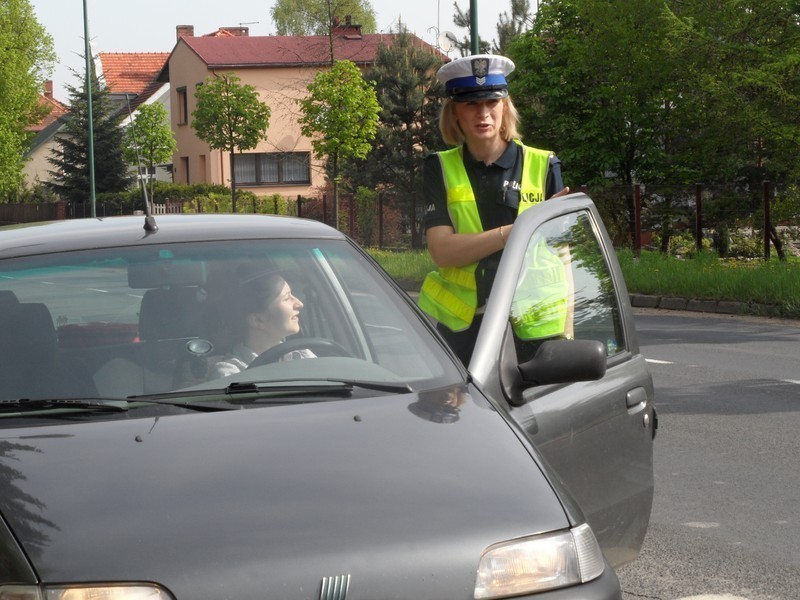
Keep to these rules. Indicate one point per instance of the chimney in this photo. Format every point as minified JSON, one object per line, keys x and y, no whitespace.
{"x":184,"y":31}
{"x":236,"y":31}
{"x":48,"y":89}
{"x":349,"y":30}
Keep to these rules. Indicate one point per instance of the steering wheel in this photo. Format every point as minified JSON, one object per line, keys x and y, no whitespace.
{"x":319,"y":346}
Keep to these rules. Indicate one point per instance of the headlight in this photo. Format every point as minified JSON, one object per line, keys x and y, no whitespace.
{"x":538,"y":563}
{"x":86,"y":592}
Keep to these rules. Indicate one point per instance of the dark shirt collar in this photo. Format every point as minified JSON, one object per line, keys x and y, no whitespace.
{"x":505,"y":161}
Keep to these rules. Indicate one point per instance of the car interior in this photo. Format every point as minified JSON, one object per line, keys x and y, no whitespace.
{"x":120,"y":324}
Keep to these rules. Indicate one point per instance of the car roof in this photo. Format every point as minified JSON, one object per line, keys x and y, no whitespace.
{"x":77,"y":234}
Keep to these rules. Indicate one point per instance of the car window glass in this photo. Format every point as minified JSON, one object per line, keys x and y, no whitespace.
{"x":565,"y":288}
{"x":151,"y":319}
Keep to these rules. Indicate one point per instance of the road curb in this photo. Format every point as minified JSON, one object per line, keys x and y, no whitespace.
{"x":692,"y":304}
{"x":721,"y":307}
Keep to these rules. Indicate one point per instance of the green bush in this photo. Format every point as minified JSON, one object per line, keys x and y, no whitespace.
{"x":706,"y":276}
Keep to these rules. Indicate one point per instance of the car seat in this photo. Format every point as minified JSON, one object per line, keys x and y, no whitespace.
{"x":30,"y":363}
{"x":169,"y":318}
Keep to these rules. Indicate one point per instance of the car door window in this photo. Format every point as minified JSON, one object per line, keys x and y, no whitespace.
{"x":565,"y":288}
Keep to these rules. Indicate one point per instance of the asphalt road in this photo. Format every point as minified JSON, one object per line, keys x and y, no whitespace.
{"x":726,"y":516}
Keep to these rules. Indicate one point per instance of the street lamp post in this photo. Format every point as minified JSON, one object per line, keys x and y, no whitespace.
{"x":87,"y":53}
{"x":473,"y":27}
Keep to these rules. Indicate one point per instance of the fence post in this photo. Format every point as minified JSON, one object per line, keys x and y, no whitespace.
{"x":324,"y":208}
{"x":299,"y":205}
{"x":766,"y":219}
{"x":698,"y":200}
{"x":637,"y":216}
{"x":352,"y":215}
{"x":380,"y":219}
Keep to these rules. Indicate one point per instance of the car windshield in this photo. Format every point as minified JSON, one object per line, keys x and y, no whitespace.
{"x":235,"y":316}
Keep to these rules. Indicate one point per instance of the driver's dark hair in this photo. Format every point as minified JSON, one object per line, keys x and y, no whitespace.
{"x":259,"y":290}
{"x":239,"y":291}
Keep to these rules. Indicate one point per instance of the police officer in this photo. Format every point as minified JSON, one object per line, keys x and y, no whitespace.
{"x":474,"y":192}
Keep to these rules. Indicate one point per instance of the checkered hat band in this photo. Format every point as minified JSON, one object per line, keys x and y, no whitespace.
{"x":470,"y":84}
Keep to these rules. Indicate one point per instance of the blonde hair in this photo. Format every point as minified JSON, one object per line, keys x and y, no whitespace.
{"x":452,"y":134}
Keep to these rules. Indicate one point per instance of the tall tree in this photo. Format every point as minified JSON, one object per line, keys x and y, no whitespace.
{"x":316,"y":17}
{"x":462,"y":19}
{"x":340,"y":114}
{"x":149,"y":140}
{"x":510,"y":26}
{"x":600,"y":109}
{"x":605,"y":112}
{"x":230,"y":116}
{"x":706,"y":90}
{"x":70,"y":157}
{"x":27,"y":58}
{"x":410,"y":98}
{"x":739,"y":86}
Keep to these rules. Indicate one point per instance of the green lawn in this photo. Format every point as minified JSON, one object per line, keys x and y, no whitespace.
{"x":705,"y":276}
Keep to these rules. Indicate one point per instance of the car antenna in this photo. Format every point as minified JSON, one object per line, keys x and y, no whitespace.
{"x":149,"y":219}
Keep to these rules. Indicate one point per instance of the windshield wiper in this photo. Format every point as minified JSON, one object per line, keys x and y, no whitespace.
{"x":190,"y":400}
{"x":305,"y":390}
{"x":279,"y":391}
{"x":329,"y":384}
{"x":24,"y":405}
{"x":380,"y":386}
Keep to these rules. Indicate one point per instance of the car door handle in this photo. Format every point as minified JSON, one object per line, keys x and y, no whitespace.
{"x":636,"y":397}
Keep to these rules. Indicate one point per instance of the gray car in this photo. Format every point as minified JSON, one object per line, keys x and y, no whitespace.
{"x":356,"y":459}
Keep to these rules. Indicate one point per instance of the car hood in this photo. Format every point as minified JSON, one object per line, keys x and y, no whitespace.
{"x":401,"y":492}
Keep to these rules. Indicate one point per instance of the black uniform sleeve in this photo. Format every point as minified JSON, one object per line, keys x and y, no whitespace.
{"x":554,"y":183}
{"x":433,"y":194}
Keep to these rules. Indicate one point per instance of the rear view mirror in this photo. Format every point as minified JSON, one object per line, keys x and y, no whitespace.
{"x":565,"y":361}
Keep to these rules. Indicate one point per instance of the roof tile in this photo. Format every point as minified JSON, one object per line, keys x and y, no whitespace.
{"x":287,"y":51}
{"x":131,"y":72}
{"x":57,"y":110}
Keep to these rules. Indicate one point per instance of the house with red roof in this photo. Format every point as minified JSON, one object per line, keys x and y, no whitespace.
{"x":131,"y":79}
{"x":280,"y":69}
{"x":36,"y":166}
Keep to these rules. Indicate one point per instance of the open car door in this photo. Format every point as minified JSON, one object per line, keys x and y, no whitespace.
{"x":593,"y":420}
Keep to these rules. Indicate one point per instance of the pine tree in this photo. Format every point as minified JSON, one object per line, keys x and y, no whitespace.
{"x":410,"y":99}
{"x":70,"y":157}
{"x":510,"y":26}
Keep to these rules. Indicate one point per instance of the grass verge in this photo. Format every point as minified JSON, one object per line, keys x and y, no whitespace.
{"x":703,"y":277}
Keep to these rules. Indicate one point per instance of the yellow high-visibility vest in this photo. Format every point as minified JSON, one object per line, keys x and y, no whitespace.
{"x":449,"y":294}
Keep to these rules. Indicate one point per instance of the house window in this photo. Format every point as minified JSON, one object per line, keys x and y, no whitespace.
{"x":183,"y":106}
{"x":273,"y":168}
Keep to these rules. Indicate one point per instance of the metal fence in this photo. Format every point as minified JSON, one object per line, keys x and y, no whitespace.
{"x":672,"y":219}
{"x":731,"y":220}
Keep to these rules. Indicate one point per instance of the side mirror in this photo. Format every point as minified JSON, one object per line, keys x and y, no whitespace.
{"x":565,"y":361}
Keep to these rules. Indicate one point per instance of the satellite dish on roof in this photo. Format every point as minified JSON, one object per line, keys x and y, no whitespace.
{"x":446,"y":41}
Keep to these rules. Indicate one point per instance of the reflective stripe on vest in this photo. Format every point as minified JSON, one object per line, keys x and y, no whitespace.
{"x":540,"y":305}
{"x":449,"y":295}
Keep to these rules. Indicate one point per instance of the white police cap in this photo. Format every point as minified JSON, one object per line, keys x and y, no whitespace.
{"x":476,"y":77}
